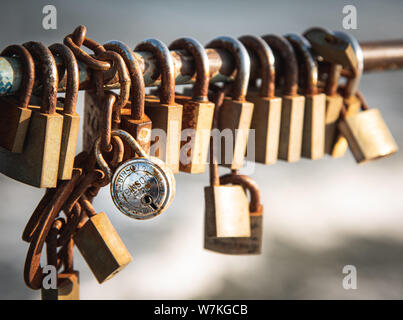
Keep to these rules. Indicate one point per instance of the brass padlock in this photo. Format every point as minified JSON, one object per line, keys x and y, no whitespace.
{"x":266,"y":117}
{"x":198,"y":111}
{"x":38,"y":163}
{"x":367,"y":134}
{"x":236,"y":112}
{"x":242,"y":245}
{"x":313,"y":138}
{"x":133,"y":118}
{"x":15,"y":113}
{"x":71,"y":119}
{"x":164,"y":112}
{"x":293,"y":104}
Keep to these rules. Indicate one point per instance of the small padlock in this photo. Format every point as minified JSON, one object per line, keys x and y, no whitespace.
{"x":15,"y":113}
{"x":141,"y":188}
{"x":71,"y":119}
{"x":266,"y":117}
{"x":164,"y":112}
{"x":236,"y":112}
{"x":198,"y":111}
{"x":293,"y":104}
{"x":38,"y":163}
{"x":313,"y":138}
{"x":367,"y":134}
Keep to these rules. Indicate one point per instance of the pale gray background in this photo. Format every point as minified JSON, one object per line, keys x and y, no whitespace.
{"x":319,"y":215}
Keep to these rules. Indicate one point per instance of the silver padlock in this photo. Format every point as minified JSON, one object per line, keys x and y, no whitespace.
{"x":142,"y":187}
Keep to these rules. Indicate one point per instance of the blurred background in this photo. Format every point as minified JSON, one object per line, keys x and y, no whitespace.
{"x":319,"y":215}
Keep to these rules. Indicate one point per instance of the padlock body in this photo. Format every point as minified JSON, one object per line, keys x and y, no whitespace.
{"x":68,"y":287}
{"x":101,"y":247}
{"x":92,"y":119}
{"x":291,"y":129}
{"x":266,"y":122}
{"x":226,"y":212}
{"x":168,"y":119}
{"x":235,"y":118}
{"x":333,"y":107}
{"x":14,"y":122}
{"x":197,"y":119}
{"x":38,"y":164}
{"x":368,"y":136}
{"x":313,"y":138}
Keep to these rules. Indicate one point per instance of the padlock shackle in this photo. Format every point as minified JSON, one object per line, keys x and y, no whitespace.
{"x":51,"y":243}
{"x":304,"y":57}
{"x":72,"y":82}
{"x":137,"y":91}
{"x":166,"y":67}
{"x":288,"y":64}
{"x":195,"y":48}
{"x":242,"y":62}
{"x":28,"y":69}
{"x":332,"y":81}
{"x":50,"y":78}
{"x":261,"y":49}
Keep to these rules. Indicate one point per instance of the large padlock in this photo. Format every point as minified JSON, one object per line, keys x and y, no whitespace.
{"x":133,"y":118}
{"x":313,"y":138}
{"x":164,"y":112}
{"x":71,"y":119}
{"x":367,"y":134}
{"x":236,"y":112}
{"x":266,"y":117}
{"x":293,"y":104}
{"x":141,"y":188}
{"x":38,"y":163}
{"x":198,"y":111}
{"x":242,"y":245}
{"x":15,"y":113}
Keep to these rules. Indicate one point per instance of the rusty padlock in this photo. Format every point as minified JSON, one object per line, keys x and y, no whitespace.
{"x":236,"y":112}
{"x":313,"y":138}
{"x":293,"y":104}
{"x":15,"y":113}
{"x":266,"y":117}
{"x":198,"y":111}
{"x":164,"y":112}
{"x":38,"y":163}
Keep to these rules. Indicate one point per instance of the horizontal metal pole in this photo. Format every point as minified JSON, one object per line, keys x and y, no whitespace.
{"x":378,"y":56}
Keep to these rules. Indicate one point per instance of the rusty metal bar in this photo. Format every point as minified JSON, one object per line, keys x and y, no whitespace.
{"x":378,"y":56}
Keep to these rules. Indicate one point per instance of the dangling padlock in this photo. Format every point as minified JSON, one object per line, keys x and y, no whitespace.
{"x":266,"y":117}
{"x":367,"y":134}
{"x":71,"y":119}
{"x":197,"y":111}
{"x":313,"y":138}
{"x":134,"y":120}
{"x":38,"y":164}
{"x":242,"y":245}
{"x":236,"y":112}
{"x":165,"y":113}
{"x":15,"y":113}
{"x":292,"y":110}
{"x":141,"y":188}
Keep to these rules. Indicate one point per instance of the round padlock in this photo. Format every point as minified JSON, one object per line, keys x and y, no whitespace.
{"x":141,"y":188}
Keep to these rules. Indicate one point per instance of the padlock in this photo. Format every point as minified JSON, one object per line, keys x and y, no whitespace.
{"x":101,"y":246}
{"x":38,"y":164}
{"x":367,"y":134}
{"x":198,"y":111}
{"x":236,"y":112}
{"x":242,"y":245}
{"x":313,"y":138}
{"x":133,"y":118}
{"x":15,"y":113}
{"x":141,"y":188}
{"x":164,"y":112}
{"x":293,"y":104}
{"x":266,"y":117}
{"x":71,"y":119}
